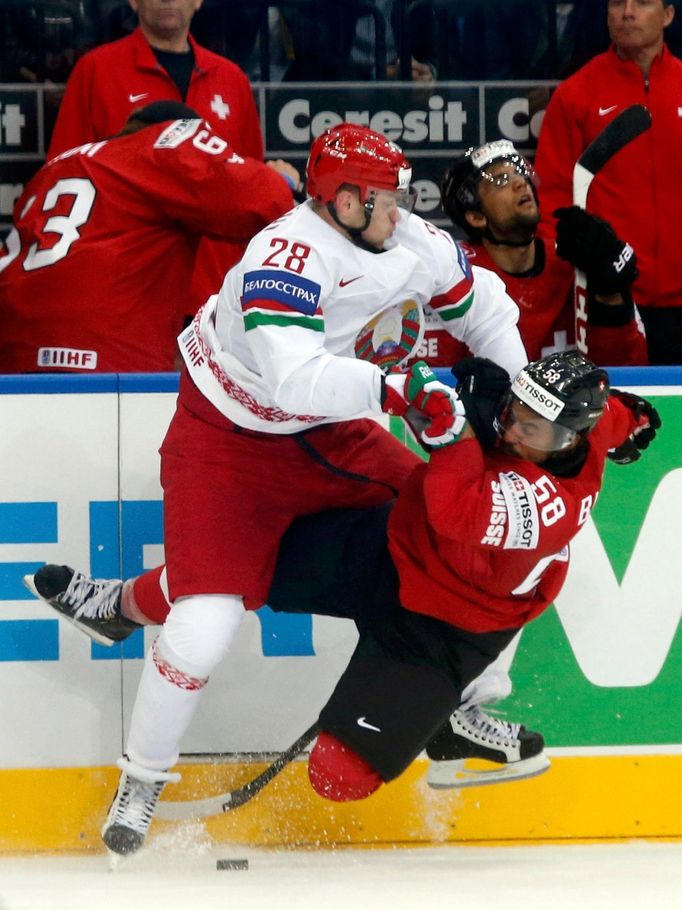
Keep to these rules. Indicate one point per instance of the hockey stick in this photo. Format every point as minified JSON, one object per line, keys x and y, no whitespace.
{"x":233,"y":799}
{"x":626,"y":126}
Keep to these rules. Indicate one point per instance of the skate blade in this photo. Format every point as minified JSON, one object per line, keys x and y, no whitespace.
{"x":114,"y":860}
{"x":449,"y":775}
{"x":95,"y":636}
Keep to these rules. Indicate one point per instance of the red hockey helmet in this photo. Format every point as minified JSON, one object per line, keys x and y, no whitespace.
{"x":353,"y":154}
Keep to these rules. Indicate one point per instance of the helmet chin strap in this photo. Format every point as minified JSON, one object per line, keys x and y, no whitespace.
{"x":514,"y":243}
{"x":568,"y":462}
{"x":354,"y":232}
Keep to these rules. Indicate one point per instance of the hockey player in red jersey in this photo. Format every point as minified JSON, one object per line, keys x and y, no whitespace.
{"x":439,"y":582}
{"x":478,"y":546}
{"x":160,"y":61}
{"x":95,"y":274}
{"x":489,"y":194}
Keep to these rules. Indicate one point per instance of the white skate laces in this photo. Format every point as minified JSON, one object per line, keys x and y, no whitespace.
{"x":488,"y":729}
{"x":131,"y":812}
{"x":92,"y":598}
{"x":90,"y":604}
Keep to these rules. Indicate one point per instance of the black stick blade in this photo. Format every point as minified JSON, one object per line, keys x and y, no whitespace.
{"x":628,"y":125}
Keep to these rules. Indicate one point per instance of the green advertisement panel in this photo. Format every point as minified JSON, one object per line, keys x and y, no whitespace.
{"x":602,"y":667}
{"x":552,"y":692}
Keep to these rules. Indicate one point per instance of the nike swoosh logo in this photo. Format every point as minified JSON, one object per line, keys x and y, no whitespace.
{"x":362,"y":722}
{"x":344,"y":281}
{"x":134,"y":98}
{"x":603,"y":111}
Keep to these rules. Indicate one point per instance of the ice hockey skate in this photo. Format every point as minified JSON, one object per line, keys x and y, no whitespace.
{"x":130,"y":814}
{"x":92,"y":605}
{"x":472,"y":734}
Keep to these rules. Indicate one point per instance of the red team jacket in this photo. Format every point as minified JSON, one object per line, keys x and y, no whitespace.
{"x":108,"y":83}
{"x":481,"y":540}
{"x":640,"y":188}
{"x":96,"y":273}
{"x":546,"y":323}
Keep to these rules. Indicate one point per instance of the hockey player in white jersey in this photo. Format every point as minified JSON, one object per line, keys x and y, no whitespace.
{"x":270,"y":422}
{"x":284,"y":325}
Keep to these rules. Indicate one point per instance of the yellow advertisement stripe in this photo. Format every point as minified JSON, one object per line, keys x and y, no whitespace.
{"x":585,"y":797}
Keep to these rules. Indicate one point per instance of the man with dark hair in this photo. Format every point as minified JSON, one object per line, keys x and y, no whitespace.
{"x":96,"y":272}
{"x":639,"y":189}
{"x":490,"y":195}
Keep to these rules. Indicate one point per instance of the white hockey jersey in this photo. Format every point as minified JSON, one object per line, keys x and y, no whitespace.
{"x":274,"y":350}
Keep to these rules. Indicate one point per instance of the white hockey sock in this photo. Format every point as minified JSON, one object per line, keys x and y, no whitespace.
{"x":197,"y":634}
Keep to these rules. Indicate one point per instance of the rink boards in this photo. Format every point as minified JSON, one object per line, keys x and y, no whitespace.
{"x":599,"y":673}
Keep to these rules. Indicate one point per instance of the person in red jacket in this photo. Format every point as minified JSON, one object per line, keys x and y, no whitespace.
{"x":95,"y":274}
{"x":489,"y":193}
{"x":160,"y":60}
{"x":639,"y":189}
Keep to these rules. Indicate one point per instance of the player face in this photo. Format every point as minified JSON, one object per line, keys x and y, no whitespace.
{"x":636,"y":25}
{"x":507,"y":201}
{"x":165,"y":19}
{"x":385,"y":216}
{"x":525,"y":434}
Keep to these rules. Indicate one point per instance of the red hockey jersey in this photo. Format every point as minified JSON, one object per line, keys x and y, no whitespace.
{"x":546,"y":322}
{"x":109,"y":82}
{"x":481,"y":540}
{"x":96,"y":273}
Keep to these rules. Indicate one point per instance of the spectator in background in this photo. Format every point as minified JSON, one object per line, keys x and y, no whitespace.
{"x":498,"y":39}
{"x":517,"y":41}
{"x":96,"y":272}
{"x":489,"y":193}
{"x":337,"y":41}
{"x":640,"y":188}
{"x":160,"y":60}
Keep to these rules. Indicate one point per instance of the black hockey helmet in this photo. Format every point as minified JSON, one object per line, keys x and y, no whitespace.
{"x":459,"y":186}
{"x":564,"y":388}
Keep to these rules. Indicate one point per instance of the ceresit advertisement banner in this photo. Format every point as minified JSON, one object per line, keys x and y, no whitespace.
{"x":430,"y":122}
{"x":597,"y":672}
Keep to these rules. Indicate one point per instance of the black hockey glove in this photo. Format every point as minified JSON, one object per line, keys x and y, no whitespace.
{"x":591,"y":245}
{"x":481,"y":386}
{"x":648,"y":421}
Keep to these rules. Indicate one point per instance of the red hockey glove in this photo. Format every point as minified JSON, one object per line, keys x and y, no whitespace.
{"x":648,"y":421}
{"x":419,"y":388}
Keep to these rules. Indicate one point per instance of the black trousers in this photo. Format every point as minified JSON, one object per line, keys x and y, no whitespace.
{"x":408,"y":671}
{"x":663,"y":334}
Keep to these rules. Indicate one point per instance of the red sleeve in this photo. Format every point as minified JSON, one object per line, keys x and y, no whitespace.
{"x":74,"y":123}
{"x":621,"y":346}
{"x":616,"y":423}
{"x":560,"y":144}
{"x":222,"y":196}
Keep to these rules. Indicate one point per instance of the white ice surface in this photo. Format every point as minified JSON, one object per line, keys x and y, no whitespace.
{"x":181,"y":873}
